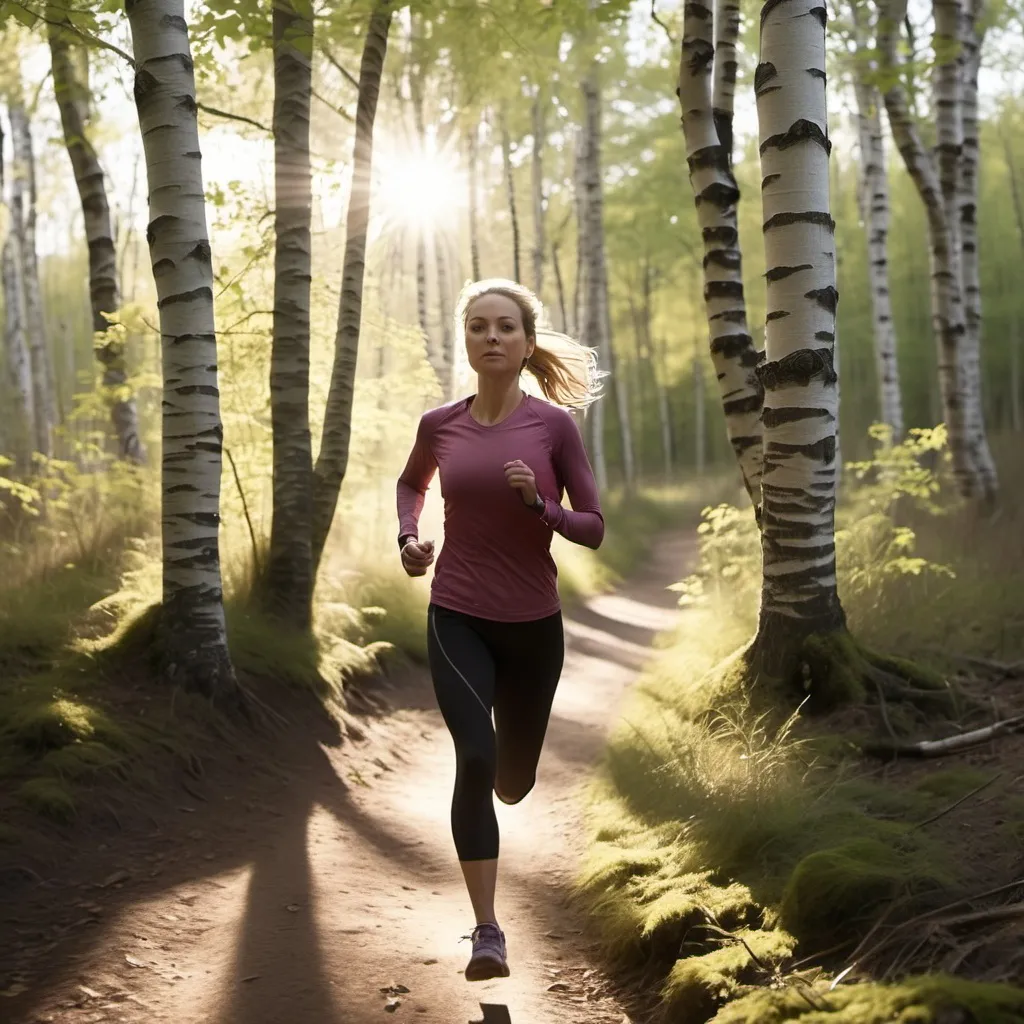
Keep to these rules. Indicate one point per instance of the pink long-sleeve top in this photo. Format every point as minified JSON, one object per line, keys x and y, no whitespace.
{"x":496,"y":560}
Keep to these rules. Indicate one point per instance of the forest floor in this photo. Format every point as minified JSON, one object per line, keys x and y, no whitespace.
{"x":321,"y":884}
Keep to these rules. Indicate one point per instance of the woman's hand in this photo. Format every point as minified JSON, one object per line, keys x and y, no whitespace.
{"x":521,"y":478}
{"x":417,"y":557}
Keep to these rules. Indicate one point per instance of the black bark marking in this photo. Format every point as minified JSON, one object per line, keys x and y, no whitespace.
{"x":769,"y":179}
{"x":155,"y":226}
{"x":781,"y":273}
{"x":819,"y":451}
{"x":763,"y":74}
{"x":728,"y":259}
{"x":201,"y":252}
{"x":778,"y":314}
{"x":814,"y":551}
{"x":820,"y":14}
{"x":696,"y":10}
{"x":174,"y":21}
{"x":145,"y":83}
{"x":798,"y":369}
{"x":729,"y":346}
{"x":181,"y":58}
{"x":200,"y":294}
{"x":802,"y":577}
{"x":699,"y":54}
{"x":824,"y":336}
{"x":197,"y":389}
{"x":709,"y":156}
{"x":817,"y":73}
{"x":827,"y":298}
{"x":782,"y":220}
{"x":723,"y":235}
{"x":162,"y":267}
{"x":787,"y":529}
{"x":743,"y":443}
{"x":730,"y":316}
{"x":752,"y":403}
{"x":719,"y":194}
{"x":181,"y":339}
{"x":723,"y":290}
{"x":792,"y":414}
{"x":189,"y":103}
{"x":799,"y":131}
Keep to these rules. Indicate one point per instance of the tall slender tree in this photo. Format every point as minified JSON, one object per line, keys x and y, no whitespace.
{"x":874,"y":210}
{"x":289,"y":573}
{"x":194,"y":640}
{"x":799,"y":596}
{"x":332,"y":461}
{"x":510,"y":189}
{"x":537,"y":111}
{"x":473,"y":159}
{"x":70,"y":67}
{"x":716,"y":195}
{"x":24,"y":215}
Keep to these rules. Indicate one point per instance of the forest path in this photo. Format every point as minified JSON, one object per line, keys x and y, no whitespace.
{"x":301,"y":904}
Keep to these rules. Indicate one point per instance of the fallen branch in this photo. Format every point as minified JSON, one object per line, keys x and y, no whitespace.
{"x":950,"y":745}
{"x":956,"y":803}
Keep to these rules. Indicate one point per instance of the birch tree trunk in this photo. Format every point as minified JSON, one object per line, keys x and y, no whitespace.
{"x":18,"y":360}
{"x":700,"y":443}
{"x":70,"y":63}
{"x":947,"y":306}
{"x":556,"y":267}
{"x":972,"y":35}
{"x":446,"y":361}
{"x":874,"y":210}
{"x":332,"y":462}
{"x":717,"y":197}
{"x":289,"y":573}
{"x":510,"y":188}
{"x":727,"y":20}
{"x":194,"y":642}
{"x":799,"y":596}
{"x":592,"y":313}
{"x":23,"y":222}
{"x":537,"y":166}
{"x":473,"y":158}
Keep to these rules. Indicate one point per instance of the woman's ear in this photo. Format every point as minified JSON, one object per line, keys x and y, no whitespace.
{"x":531,"y":346}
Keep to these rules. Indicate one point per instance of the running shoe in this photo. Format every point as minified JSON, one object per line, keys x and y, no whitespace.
{"x":489,"y":953}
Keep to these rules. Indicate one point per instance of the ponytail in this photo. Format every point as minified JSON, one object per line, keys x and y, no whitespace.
{"x":565,"y":370}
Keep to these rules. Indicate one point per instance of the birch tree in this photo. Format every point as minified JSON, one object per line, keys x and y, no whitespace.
{"x":799,"y":596}
{"x":70,"y":67}
{"x":473,"y":160}
{"x":946,"y":300}
{"x":23,"y":223}
{"x":289,"y":573}
{"x":193,"y":637}
{"x":332,"y":461}
{"x":17,"y":359}
{"x":972,"y":34}
{"x":717,"y":197}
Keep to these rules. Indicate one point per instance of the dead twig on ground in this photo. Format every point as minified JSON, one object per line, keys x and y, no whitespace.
{"x":949,"y":745}
{"x":956,"y":803}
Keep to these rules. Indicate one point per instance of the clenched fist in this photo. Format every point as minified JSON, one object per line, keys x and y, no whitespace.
{"x":520,"y":476}
{"x":417,"y":557}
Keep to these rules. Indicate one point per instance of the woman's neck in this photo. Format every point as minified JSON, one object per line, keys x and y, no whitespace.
{"x":495,"y":399}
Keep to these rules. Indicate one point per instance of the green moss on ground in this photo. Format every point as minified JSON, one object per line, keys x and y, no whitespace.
{"x":698,"y":985}
{"x":928,"y":999}
{"x":49,"y":797}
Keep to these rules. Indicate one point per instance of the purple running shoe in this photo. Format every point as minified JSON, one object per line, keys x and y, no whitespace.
{"x":489,"y":952}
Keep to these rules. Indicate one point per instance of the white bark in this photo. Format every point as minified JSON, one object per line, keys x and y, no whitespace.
{"x":799,"y":593}
{"x":716,"y":196}
{"x":946,"y":302}
{"x":559,"y":289}
{"x":19,"y":365}
{"x":966,"y":216}
{"x":289,"y":574}
{"x":70,"y":63}
{"x":473,"y":159}
{"x":874,"y":203}
{"x":727,"y":21}
{"x":332,"y":461}
{"x":592,"y":300}
{"x":194,"y":639}
{"x":446,"y":345}
{"x":23,"y":222}
{"x":537,"y":182}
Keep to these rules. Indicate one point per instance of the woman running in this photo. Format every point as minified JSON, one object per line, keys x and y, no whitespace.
{"x":494,"y":622}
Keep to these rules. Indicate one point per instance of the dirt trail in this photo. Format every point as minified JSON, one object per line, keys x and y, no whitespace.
{"x":299,"y":903}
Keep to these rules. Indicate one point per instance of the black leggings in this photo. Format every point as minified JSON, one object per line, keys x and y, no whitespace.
{"x":510,"y":667}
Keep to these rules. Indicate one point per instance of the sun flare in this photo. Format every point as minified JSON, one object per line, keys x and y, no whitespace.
{"x":419,"y":187}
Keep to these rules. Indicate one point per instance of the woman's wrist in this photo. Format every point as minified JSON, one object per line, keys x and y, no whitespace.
{"x":539,"y":504}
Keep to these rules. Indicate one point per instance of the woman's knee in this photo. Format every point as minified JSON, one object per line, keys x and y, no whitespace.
{"x":512,"y":791}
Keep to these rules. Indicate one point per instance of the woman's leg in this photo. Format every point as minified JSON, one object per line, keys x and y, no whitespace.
{"x":529,"y":666}
{"x":463,"y":673}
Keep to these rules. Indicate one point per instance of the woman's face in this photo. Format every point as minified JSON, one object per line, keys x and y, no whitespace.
{"x":496,"y":341}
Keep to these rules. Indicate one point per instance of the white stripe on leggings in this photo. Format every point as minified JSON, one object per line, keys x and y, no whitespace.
{"x":433,"y":626}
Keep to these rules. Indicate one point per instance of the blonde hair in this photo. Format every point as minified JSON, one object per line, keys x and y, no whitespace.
{"x":565,"y":369}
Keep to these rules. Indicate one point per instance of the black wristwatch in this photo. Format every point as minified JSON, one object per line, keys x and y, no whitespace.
{"x":539,"y":505}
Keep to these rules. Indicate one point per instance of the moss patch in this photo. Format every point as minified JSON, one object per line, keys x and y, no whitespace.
{"x":929,"y":999}
{"x":49,"y":797}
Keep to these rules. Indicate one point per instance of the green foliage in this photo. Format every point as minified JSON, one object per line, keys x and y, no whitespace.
{"x":927,"y":999}
{"x":48,"y":797}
